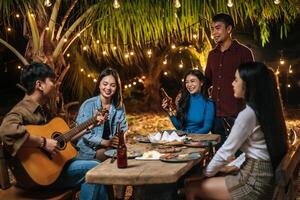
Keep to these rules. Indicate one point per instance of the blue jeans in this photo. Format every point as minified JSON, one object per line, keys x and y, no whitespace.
{"x":73,"y":175}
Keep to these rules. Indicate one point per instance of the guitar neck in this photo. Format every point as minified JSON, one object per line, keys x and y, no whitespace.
{"x":74,"y":131}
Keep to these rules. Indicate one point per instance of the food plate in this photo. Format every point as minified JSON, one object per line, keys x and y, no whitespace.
{"x":200,"y":144}
{"x":177,"y":158}
{"x":149,"y":155}
{"x":142,"y":139}
{"x":167,"y":149}
{"x":130,"y":154}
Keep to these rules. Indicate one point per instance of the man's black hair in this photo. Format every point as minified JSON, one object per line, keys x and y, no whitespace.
{"x":32,"y":73}
{"x":222,"y":17}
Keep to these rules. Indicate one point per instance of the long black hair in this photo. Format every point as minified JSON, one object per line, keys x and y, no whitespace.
{"x":183,"y":103}
{"x":263,"y":96}
{"x":117,"y":98}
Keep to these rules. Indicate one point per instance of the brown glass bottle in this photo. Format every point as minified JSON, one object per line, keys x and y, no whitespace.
{"x":121,"y":150}
{"x":171,"y":105}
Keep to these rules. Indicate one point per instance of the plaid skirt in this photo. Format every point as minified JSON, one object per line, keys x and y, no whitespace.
{"x":255,"y":180}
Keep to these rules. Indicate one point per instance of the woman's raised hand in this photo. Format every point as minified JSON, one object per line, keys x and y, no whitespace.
{"x":165,"y":104}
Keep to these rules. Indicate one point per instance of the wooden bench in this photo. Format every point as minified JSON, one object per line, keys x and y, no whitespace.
{"x":11,"y":192}
{"x":287,"y":173}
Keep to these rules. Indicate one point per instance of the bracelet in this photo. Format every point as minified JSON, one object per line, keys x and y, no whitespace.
{"x":43,"y":143}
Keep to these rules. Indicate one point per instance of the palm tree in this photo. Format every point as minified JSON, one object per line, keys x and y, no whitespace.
{"x":97,"y":30}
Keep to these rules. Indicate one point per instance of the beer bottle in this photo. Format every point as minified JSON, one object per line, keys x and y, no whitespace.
{"x":171,"y":106}
{"x":122,"y":149}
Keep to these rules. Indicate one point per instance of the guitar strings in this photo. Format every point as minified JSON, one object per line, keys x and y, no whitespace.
{"x":66,"y":136}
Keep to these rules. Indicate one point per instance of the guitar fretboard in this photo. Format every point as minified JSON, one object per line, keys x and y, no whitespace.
{"x":71,"y":133}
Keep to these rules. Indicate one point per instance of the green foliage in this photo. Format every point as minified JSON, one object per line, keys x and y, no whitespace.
{"x":137,"y":25}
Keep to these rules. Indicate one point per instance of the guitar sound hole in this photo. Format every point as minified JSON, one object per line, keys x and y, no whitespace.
{"x":61,"y":142}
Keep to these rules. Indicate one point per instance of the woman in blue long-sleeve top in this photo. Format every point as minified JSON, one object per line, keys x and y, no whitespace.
{"x":195,"y":112}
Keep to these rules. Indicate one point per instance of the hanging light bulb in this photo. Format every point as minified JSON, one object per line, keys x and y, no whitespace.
{"x":116,"y":4}
{"x":277,"y":71}
{"x":281,"y":61}
{"x":181,"y":64}
{"x":177,"y":4}
{"x":290,"y":69}
{"x":277,"y":2}
{"x":165,"y":61}
{"x":149,"y":52}
{"x":47,"y":3}
{"x":229,"y":3}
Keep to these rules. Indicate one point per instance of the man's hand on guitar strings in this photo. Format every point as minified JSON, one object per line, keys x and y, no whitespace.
{"x":51,"y":146}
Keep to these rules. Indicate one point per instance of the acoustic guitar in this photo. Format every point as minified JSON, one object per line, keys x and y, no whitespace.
{"x":37,"y":164}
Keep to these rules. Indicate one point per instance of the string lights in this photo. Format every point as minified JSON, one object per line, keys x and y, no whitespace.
{"x":134,"y":82}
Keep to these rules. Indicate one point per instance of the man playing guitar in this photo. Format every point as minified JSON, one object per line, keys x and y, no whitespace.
{"x":39,"y":81}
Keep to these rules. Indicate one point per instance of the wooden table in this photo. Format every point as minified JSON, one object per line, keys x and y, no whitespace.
{"x":141,"y":173}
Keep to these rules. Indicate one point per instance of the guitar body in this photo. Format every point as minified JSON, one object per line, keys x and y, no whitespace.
{"x":41,"y":167}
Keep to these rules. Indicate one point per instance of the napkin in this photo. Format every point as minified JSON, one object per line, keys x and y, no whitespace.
{"x":165,"y":137}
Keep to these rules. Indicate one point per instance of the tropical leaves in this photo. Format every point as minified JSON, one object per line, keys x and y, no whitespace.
{"x":122,"y":37}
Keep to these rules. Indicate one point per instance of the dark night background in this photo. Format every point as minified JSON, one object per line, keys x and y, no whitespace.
{"x":286,"y":48}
